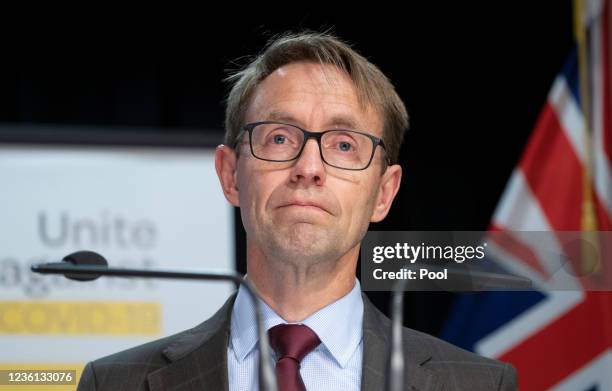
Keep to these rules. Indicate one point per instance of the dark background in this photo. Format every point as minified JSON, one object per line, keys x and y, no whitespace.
{"x":473,"y":77}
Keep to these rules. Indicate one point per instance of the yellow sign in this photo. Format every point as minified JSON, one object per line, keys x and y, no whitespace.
{"x":80,"y":318}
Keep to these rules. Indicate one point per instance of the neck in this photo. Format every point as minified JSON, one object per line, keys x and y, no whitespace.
{"x":295,"y":291}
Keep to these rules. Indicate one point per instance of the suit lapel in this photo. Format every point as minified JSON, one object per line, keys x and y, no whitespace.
{"x":376,"y":344}
{"x":198,"y":359}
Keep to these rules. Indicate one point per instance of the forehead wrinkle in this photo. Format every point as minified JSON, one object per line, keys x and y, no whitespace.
{"x":336,"y":121}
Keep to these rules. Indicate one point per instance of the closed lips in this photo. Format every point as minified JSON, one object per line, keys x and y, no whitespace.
{"x":304,"y":204}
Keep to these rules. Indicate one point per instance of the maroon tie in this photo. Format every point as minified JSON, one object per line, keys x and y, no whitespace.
{"x":291,"y":342}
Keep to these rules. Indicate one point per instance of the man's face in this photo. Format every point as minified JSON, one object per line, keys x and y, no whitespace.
{"x":305,"y":211}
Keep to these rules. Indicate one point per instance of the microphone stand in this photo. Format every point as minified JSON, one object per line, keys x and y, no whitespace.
{"x":267,"y":379}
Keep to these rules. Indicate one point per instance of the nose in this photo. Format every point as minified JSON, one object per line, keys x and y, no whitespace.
{"x":309,"y":167}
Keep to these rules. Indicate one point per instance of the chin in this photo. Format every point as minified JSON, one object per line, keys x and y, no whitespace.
{"x":305,"y":245}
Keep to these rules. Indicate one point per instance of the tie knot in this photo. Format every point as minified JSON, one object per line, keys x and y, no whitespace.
{"x":293,"y":340}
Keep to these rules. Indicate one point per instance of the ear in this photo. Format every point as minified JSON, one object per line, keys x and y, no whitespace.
{"x":225,"y":164}
{"x":388,"y":188}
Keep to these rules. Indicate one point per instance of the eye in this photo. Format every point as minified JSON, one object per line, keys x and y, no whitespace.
{"x":342,"y":142}
{"x":345,"y":146}
{"x":279,"y":136}
{"x":279,"y":139}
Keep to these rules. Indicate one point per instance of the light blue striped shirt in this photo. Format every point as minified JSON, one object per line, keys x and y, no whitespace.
{"x":334,"y":365}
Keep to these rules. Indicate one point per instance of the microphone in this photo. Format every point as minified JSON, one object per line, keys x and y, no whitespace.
{"x":475,"y":280}
{"x":88,"y":265}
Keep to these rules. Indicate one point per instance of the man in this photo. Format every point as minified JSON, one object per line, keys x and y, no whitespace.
{"x":313,"y":132}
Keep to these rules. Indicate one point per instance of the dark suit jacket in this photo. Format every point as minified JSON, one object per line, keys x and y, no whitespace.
{"x":196,"y":359}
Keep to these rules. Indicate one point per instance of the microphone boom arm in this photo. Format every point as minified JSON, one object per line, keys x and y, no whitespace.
{"x":267,"y":377}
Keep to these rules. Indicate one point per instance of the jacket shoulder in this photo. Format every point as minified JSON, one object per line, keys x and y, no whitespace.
{"x":466,"y":368}
{"x":128,"y":369}
{"x":150,"y":353}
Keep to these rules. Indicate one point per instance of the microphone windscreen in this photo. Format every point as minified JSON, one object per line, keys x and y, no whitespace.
{"x":85,"y":258}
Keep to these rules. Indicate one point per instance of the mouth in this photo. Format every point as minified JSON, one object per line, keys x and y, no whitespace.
{"x":305,"y":205}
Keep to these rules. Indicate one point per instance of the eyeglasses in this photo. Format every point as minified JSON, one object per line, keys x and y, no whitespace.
{"x":280,"y":142}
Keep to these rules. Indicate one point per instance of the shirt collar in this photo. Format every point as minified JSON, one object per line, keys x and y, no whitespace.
{"x":338,"y":325}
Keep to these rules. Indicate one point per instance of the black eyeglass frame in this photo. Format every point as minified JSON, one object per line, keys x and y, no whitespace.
{"x":376,"y":141}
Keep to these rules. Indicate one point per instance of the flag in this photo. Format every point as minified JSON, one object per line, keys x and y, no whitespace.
{"x":556,"y":339}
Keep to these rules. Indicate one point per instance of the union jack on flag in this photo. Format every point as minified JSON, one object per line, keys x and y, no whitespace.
{"x":559,"y":340}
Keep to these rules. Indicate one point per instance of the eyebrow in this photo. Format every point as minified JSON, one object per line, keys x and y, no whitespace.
{"x":337,"y":121}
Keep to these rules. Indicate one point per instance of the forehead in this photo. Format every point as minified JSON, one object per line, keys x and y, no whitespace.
{"x":312,"y":95}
